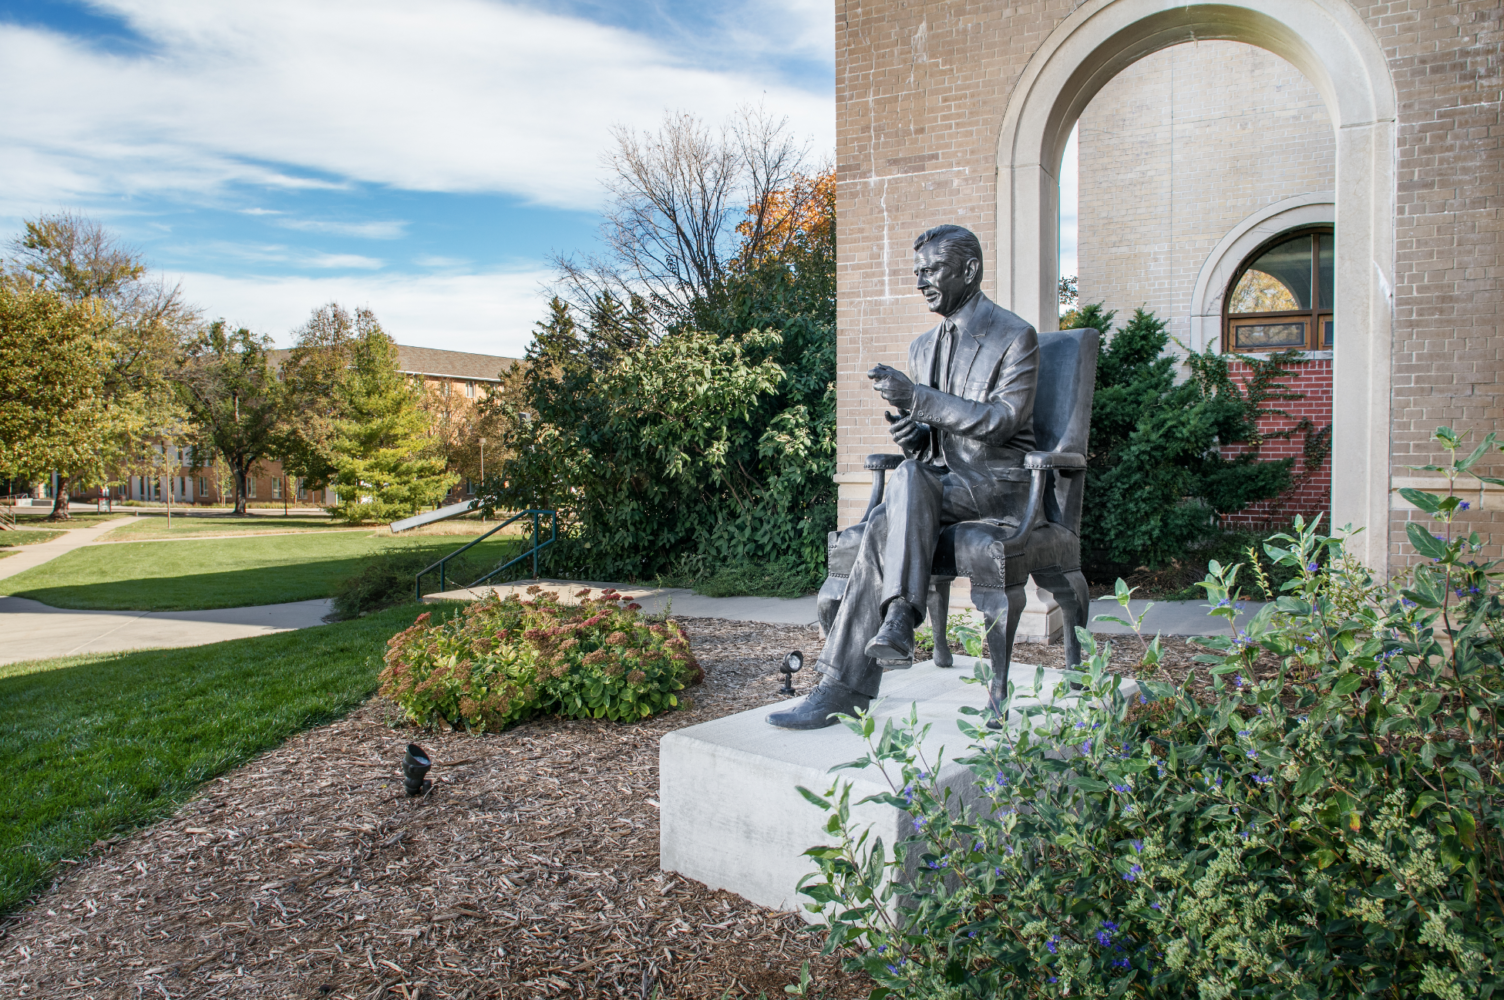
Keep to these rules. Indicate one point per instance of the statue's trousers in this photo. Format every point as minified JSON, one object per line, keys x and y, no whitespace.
{"x":893,"y":561}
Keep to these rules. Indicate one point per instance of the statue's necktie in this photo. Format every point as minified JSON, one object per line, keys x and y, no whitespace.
{"x":947,"y":348}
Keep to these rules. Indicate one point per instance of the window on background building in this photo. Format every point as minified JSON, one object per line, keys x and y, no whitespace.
{"x":203,"y":486}
{"x":469,"y":390}
{"x":1281,"y":298}
{"x":276,"y":488}
{"x":250,"y":487}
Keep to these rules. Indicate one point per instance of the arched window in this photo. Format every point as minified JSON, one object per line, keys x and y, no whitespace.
{"x":1281,"y":296}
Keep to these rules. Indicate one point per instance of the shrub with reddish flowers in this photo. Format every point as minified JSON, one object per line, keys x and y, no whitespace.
{"x":505,"y":660}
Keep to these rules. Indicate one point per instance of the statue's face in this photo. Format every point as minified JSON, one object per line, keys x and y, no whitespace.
{"x":944,"y":286}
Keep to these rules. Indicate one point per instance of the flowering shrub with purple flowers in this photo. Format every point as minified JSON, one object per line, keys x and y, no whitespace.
{"x":506,"y":660}
{"x":1328,"y":822}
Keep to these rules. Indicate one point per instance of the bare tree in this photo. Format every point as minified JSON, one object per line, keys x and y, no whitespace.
{"x":688,"y":202}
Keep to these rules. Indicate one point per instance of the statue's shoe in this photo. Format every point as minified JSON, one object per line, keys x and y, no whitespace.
{"x":820,"y":707}
{"x":893,"y":646}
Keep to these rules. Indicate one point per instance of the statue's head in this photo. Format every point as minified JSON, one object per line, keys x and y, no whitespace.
{"x":948,"y":264}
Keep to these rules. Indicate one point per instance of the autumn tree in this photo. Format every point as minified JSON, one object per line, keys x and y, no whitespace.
{"x":145,"y":324}
{"x":53,"y":364}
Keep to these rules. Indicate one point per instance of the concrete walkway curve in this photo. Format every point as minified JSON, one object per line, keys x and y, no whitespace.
{"x":31,"y":630}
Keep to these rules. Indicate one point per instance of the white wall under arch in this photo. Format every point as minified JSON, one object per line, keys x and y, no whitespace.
{"x":1331,"y":45}
{"x":1318,"y":209}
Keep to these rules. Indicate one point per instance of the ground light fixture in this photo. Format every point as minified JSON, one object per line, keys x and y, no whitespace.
{"x":791,"y":665}
{"x":414,"y":766}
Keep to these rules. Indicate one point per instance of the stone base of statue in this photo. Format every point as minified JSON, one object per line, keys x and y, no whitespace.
{"x":731,"y":815}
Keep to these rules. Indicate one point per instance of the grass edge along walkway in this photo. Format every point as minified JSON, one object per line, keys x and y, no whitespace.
{"x":105,"y":744}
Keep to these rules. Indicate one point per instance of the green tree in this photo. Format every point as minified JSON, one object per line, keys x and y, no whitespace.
{"x":383,"y":457}
{"x":54,"y":410}
{"x":234,"y":399}
{"x":315,"y":373}
{"x":1160,"y":477}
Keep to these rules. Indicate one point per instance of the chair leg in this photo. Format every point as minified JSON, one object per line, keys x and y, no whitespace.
{"x":1069,"y":591}
{"x":939,"y":613}
{"x":1001,"y":610}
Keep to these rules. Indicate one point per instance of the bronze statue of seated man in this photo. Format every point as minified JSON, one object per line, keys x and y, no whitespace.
{"x":964,"y":423}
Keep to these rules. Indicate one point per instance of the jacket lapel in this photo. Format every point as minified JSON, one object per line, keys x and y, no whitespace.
{"x":972,"y":328}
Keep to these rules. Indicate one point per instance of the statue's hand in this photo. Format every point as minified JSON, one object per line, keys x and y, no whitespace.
{"x":908,"y":433}
{"x":893,"y":385}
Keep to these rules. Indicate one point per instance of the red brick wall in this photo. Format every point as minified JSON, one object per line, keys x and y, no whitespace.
{"x":1311,"y":493}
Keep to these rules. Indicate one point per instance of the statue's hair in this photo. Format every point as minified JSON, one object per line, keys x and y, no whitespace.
{"x":955,"y":243}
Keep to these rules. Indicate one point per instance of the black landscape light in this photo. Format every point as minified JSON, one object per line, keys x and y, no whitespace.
{"x":791,"y":665}
{"x":414,"y":766}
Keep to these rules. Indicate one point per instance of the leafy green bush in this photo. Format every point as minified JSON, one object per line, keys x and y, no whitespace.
{"x":1325,"y":823}
{"x":506,"y":660}
{"x":1158,"y":480}
{"x":708,"y":445}
{"x":386,"y":580}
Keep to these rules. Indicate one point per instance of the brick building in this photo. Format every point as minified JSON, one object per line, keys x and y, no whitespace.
{"x":453,"y":375}
{"x":960,"y":111}
{"x":1193,"y":162}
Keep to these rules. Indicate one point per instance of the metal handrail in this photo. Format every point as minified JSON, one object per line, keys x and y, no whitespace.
{"x":553,"y":536}
{"x":8,"y":510}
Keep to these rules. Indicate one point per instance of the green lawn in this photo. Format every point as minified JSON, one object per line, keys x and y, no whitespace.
{"x":156,"y":526}
{"x":30,"y":536}
{"x":217,"y":573}
{"x":26,"y":519}
{"x":107,"y":743}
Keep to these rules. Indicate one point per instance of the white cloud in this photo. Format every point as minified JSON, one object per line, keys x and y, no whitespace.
{"x":483,"y":313}
{"x":389,"y":230}
{"x":446,"y":95}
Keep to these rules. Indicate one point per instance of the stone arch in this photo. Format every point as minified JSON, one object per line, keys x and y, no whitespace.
{"x":1317,"y":209}
{"x":1328,"y":42}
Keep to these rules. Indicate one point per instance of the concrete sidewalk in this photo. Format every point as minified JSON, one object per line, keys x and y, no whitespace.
{"x":35,"y":555}
{"x":30,"y":630}
{"x":1166,"y":617}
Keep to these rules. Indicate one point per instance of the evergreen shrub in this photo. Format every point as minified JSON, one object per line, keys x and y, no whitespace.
{"x":502,"y":661}
{"x":1160,"y":476}
{"x":1325,"y":822}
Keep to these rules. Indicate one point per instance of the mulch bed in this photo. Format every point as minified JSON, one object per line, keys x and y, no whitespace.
{"x":530,"y":869}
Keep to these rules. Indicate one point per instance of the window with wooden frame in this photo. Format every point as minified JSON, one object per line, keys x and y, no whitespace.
{"x":1281,"y":297}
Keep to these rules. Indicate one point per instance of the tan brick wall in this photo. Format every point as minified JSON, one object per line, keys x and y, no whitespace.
{"x":921,"y":88}
{"x":1177,"y":150}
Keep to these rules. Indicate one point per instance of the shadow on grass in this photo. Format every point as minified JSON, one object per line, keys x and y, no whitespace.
{"x":103,"y":745}
{"x":136,"y":588}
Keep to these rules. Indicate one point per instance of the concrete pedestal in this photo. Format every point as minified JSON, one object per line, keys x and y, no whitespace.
{"x":731,"y":815}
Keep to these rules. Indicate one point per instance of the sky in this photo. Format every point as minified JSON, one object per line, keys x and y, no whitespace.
{"x":421,"y":159}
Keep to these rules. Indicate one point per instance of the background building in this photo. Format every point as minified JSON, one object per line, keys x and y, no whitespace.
{"x":960,"y":112}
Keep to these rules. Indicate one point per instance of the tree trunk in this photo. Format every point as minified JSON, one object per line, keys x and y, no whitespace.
{"x":60,"y":500}
{"x":239,"y":474}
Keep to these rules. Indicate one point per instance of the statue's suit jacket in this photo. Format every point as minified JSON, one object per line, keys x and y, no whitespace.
{"x":982,"y":420}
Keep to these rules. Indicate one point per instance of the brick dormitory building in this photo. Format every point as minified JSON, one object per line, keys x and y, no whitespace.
{"x":455,"y":374}
{"x":1322,"y":175}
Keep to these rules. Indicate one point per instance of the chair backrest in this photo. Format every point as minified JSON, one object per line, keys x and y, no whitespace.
{"x":1067,"y":380}
{"x":1062,"y":413}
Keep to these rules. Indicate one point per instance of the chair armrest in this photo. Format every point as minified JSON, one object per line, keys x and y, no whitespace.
{"x":885,"y":463}
{"x":1054,"y":460}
